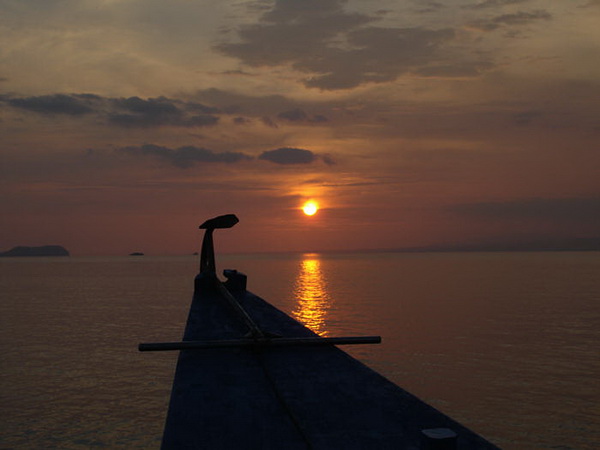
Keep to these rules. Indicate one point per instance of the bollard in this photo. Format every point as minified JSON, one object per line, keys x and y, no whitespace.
{"x":438,"y":439}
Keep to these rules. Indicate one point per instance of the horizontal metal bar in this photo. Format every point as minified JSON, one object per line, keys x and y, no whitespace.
{"x":263,"y":342}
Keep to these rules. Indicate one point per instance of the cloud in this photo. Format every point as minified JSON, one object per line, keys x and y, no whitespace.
{"x":298,"y":115}
{"x":289,"y":156}
{"x":293,"y":115}
{"x":137,"y":112}
{"x":264,"y":108}
{"x":133,"y":112}
{"x":515,"y":19}
{"x":591,"y":4}
{"x":268,"y":122}
{"x":526,"y":117}
{"x":72,"y":105}
{"x":291,"y":30}
{"x":336,"y":48}
{"x":494,"y":3}
{"x":584,"y":209}
{"x":455,"y":69}
{"x":199,"y":107}
{"x":429,"y":7}
{"x":327,"y":160}
{"x":378,"y":55}
{"x":240,"y":120}
{"x":186,"y":156}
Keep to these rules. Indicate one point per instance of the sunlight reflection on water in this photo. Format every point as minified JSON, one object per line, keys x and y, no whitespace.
{"x":312,"y":296}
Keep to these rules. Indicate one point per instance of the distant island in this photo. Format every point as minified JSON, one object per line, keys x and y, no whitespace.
{"x":136,"y":254}
{"x":44,"y":250}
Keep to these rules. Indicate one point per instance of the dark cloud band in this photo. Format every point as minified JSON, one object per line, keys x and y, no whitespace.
{"x":289,"y":156}
{"x":185,"y":156}
{"x":56,"y":104}
{"x":189,"y":155}
{"x":132,"y":112}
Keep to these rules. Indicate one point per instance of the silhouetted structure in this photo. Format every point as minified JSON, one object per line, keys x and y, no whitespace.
{"x":249,"y":376}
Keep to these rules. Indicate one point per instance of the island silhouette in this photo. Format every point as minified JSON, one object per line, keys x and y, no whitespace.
{"x":44,"y":250}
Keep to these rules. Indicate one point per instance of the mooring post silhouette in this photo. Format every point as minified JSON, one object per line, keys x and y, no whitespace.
{"x":207,"y":254}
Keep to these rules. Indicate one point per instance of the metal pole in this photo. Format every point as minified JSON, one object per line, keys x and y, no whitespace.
{"x":265,"y":342}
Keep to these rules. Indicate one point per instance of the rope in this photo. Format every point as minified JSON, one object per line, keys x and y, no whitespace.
{"x":284,"y":404}
{"x":257,"y":333}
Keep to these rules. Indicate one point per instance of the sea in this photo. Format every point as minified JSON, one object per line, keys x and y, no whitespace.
{"x":506,"y":343}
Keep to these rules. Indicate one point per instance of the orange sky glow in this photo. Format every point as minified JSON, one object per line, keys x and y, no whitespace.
{"x":126,"y":124}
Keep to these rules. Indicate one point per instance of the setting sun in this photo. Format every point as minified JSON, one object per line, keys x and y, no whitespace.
{"x":310,"y":208}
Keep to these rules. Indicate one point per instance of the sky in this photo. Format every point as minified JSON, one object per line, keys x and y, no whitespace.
{"x":125,"y":124}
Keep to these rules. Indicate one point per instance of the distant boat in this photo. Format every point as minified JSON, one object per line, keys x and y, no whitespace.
{"x":136,"y":254}
{"x":251,"y":377}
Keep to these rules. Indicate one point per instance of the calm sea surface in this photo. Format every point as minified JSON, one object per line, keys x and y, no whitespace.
{"x":506,"y":343}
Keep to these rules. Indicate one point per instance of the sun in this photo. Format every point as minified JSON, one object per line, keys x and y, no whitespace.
{"x":310,"y":208}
